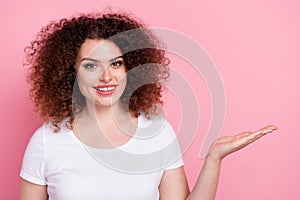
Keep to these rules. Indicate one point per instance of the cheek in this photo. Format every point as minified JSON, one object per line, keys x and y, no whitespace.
{"x":123,"y":80}
{"x":85,"y":82}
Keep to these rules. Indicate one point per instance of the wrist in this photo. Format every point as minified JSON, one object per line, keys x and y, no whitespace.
{"x":213,"y":159}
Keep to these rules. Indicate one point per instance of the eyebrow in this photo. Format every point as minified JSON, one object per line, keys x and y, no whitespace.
{"x":94,"y":60}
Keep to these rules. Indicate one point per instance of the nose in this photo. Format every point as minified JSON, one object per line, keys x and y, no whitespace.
{"x":105,"y":76}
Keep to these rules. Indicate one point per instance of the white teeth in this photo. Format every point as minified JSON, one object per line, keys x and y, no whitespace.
{"x":106,"y":88}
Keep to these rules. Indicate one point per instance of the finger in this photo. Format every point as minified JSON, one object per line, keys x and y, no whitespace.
{"x":245,"y":138}
{"x":250,"y":138}
{"x":234,"y":137}
{"x":264,"y":130}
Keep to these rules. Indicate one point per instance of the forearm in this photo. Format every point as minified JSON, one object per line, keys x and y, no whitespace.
{"x":207,"y":183}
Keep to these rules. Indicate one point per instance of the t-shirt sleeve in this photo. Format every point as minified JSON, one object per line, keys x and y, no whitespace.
{"x":173,"y":152}
{"x":33,"y":161}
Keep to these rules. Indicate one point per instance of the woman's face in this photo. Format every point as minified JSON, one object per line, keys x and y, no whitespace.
{"x":101,"y":72}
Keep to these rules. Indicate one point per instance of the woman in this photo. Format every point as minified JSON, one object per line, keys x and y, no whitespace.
{"x":97,"y":82}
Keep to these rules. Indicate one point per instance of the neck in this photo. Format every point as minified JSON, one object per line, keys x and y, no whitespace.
{"x":104,"y":113}
{"x":105,"y":125}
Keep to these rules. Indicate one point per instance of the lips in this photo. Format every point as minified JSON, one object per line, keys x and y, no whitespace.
{"x":105,"y":90}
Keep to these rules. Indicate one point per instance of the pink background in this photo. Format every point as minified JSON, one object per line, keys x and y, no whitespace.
{"x":255,"y":45}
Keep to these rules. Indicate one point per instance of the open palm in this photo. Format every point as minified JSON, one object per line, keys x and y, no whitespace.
{"x":229,"y":144}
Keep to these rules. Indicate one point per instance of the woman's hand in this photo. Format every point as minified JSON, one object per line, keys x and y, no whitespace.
{"x":229,"y":144}
{"x":207,"y":183}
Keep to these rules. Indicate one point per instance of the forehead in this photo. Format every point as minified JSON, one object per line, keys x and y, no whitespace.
{"x":99,"y":49}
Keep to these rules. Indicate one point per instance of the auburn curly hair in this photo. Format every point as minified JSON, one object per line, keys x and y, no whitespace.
{"x":52,"y":55}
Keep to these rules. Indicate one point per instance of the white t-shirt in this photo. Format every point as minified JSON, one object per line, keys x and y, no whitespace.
{"x":72,"y":171}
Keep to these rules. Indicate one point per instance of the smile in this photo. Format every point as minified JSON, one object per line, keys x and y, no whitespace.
{"x":105,"y":89}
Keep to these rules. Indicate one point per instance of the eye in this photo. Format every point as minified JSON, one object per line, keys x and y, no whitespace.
{"x":90,"y":65}
{"x":117,"y":64}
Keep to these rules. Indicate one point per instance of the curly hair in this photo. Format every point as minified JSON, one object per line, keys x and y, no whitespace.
{"x":53,"y":53}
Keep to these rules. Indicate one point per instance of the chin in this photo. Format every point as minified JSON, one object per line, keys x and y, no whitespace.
{"x":106,"y":103}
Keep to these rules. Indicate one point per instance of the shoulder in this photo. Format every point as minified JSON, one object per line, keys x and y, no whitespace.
{"x":155,"y":133}
{"x":157,"y":125}
{"x":43,"y":142}
{"x":47,"y":133}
